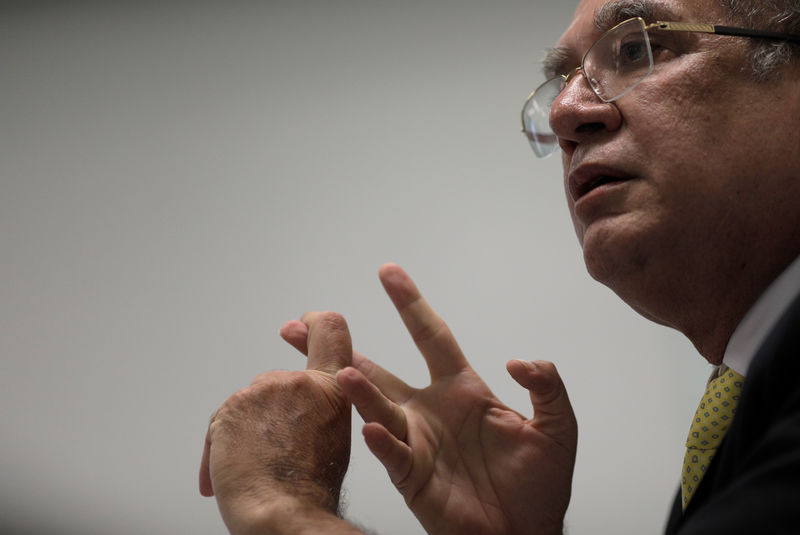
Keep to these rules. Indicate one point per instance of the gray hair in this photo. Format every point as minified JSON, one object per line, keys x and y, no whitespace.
{"x":767,"y":57}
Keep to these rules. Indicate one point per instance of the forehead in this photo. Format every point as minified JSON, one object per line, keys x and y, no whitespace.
{"x":593,"y":17}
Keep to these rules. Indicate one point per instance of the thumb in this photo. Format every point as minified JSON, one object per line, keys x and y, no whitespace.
{"x":552,"y":411}
{"x":329,"y":345}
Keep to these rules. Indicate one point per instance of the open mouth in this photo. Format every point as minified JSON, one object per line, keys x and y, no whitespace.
{"x":601,"y":181}
{"x":589,"y":178}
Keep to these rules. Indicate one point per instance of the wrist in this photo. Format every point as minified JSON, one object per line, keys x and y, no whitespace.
{"x":289,"y":515}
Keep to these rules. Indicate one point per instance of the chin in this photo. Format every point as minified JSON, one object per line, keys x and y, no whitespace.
{"x":607,"y":271}
{"x":611,"y":252}
{"x":630,"y":276}
{"x":617,"y":260}
{"x":618,"y":246}
{"x":627,"y":284}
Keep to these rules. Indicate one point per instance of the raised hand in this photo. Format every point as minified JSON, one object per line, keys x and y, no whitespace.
{"x":463,"y":461}
{"x":276,"y":452}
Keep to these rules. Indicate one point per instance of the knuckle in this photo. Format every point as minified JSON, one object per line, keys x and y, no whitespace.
{"x":269,"y":385}
{"x":262,"y":378}
{"x":432,"y":332}
{"x":268,"y":392}
{"x":237,"y":402}
{"x":298,"y":381}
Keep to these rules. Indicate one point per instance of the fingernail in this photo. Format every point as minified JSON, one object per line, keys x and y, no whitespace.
{"x":345,"y":373}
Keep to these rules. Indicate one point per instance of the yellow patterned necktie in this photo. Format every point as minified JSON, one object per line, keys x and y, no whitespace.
{"x":711,"y":421}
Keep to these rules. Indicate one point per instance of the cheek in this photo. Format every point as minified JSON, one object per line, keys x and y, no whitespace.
{"x":684,"y":109}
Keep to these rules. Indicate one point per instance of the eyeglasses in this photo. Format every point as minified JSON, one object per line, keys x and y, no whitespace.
{"x":614,"y":65}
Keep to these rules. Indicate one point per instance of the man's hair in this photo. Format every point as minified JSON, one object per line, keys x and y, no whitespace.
{"x":767,"y":57}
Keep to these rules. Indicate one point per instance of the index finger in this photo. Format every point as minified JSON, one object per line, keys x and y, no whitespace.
{"x":329,"y":345}
{"x":429,"y":331}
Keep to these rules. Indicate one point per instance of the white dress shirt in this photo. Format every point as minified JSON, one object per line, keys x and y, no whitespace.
{"x":761,"y":318}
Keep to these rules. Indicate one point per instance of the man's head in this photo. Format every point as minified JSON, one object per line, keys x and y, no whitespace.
{"x":685,"y":192}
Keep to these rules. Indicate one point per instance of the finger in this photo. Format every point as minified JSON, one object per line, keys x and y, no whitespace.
{"x":552,"y":411}
{"x":391,"y":386}
{"x":329,"y":346}
{"x":296,"y":334}
{"x":206,"y":489}
{"x":427,"y":329}
{"x":371,"y":404}
{"x":393,"y":454}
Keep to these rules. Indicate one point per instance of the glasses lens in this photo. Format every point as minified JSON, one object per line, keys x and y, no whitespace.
{"x":536,"y":117}
{"x":619,"y":60}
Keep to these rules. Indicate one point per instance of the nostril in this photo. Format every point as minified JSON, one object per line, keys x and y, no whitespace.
{"x":589,"y":128}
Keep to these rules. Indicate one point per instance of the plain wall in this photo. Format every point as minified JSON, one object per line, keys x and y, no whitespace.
{"x":179,"y":179}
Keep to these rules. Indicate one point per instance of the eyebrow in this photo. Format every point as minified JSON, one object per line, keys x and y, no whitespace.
{"x":618,"y":11}
{"x":557,"y":60}
{"x":560,"y":59}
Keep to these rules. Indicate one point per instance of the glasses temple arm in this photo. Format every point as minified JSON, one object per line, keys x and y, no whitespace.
{"x":721,"y":30}
{"x":742,"y":32}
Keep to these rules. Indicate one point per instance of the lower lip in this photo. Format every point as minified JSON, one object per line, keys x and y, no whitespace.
{"x":595,"y":195}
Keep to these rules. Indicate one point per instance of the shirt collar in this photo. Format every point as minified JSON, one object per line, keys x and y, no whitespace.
{"x":760,"y":319}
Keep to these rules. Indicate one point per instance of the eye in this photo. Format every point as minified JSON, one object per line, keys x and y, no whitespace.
{"x":665,"y":47}
{"x":632,"y":53}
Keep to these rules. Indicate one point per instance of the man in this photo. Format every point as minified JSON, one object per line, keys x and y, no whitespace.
{"x":684,"y":187}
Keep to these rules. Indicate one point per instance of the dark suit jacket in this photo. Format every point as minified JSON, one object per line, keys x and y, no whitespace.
{"x":753,"y":483}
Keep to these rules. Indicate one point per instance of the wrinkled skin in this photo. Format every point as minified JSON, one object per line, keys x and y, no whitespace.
{"x":286,"y":435}
{"x":711,"y":160}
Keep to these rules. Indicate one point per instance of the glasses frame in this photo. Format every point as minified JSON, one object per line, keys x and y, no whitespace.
{"x":666,"y":26}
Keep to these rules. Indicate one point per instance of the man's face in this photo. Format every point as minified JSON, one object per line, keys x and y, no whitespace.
{"x":678,"y":185}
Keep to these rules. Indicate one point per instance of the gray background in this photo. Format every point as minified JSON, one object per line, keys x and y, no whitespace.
{"x":178,"y":179}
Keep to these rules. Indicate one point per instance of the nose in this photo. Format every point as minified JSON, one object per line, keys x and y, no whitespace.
{"x":578,"y":114}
